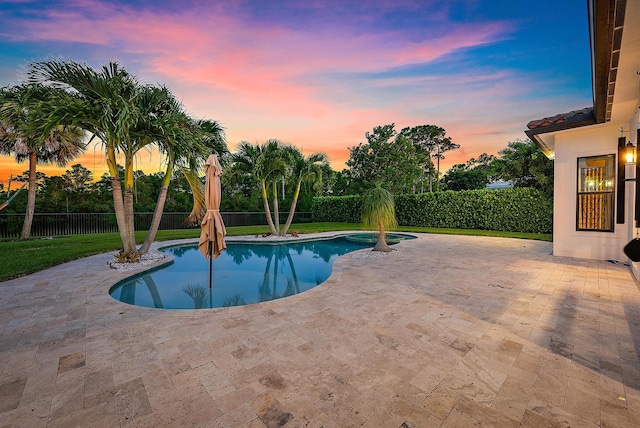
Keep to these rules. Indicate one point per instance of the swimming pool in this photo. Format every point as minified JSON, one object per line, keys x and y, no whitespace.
{"x":244,"y":274}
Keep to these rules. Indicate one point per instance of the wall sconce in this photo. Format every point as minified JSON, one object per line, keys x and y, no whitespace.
{"x":630,"y":154}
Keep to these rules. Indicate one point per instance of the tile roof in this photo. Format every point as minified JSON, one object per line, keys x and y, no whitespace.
{"x":563,"y":118}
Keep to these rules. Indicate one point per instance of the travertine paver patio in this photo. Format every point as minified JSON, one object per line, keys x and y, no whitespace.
{"x":451,"y":331}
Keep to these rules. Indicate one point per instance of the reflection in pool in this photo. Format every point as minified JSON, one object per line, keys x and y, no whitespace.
{"x":242,"y":275}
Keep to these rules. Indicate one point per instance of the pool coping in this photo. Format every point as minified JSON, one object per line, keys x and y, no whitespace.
{"x":336,"y":268}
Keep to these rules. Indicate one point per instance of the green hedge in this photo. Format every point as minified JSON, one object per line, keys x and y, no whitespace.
{"x":345,"y":209}
{"x":513,"y":210}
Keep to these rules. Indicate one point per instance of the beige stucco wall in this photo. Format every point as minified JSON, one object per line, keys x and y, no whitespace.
{"x":569,"y":146}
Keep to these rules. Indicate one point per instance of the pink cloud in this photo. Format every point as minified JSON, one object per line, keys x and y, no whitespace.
{"x":467,"y":36}
{"x":260,"y":80}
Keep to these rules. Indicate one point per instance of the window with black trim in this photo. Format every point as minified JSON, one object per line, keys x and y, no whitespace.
{"x":596,"y":197}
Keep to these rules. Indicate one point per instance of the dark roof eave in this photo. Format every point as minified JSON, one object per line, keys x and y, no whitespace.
{"x":535,"y":132}
{"x":606,"y":20}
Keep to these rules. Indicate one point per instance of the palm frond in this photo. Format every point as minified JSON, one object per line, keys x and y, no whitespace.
{"x":378,"y":207}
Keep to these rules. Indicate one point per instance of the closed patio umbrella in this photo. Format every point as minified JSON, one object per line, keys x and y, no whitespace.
{"x":211,"y":242}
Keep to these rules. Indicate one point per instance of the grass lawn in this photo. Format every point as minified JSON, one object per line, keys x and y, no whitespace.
{"x":21,"y":258}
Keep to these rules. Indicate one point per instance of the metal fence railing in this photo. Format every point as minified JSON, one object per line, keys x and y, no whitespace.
{"x":60,"y":224}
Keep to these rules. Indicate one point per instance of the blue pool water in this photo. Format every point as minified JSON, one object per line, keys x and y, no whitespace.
{"x":242,"y":275}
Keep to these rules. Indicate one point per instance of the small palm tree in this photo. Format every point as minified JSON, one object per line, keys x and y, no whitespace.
{"x":378,"y":210}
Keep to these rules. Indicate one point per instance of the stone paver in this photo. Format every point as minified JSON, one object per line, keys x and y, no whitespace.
{"x":449,"y":331}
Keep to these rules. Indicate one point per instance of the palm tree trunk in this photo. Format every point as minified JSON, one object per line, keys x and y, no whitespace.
{"x":116,"y":191}
{"x":381,"y":245}
{"x":155,"y":221}
{"x":438,"y":173}
{"x":267,"y":210}
{"x":31,"y":197}
{"x":130,"y":243}
{"x":292,"y":211}
{"x":276,"y":213}
{"x":157,"y":213}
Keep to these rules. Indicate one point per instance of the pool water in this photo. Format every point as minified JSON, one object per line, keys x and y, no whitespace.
{"x":242,"y":275}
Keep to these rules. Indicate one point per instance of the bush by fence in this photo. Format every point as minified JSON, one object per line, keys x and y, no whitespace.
{"x":60,"y":224}
{"x":346,"y":209}
{"x":514,"y":210}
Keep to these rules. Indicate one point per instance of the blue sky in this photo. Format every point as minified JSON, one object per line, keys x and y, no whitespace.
{"x":319,"y":74}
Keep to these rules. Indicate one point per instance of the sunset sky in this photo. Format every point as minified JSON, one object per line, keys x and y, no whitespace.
{"x":319,"y":74}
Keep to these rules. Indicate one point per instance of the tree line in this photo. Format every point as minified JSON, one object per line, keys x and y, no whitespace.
{"x":76,"y":191}
{"x":521,"y":163}
{"x":408,"y":162}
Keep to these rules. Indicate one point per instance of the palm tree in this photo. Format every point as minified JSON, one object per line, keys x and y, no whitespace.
{"x":378,"y":210}
{"x":301,"y":169}
{"x":126,"y":117}
{"x":271,"y":167}
{"x":212,"y":139}
{"x":23,"y":134}
{"x":107,"y":107}
{"x":167,"y":126}
{"x":185,"y":152}
{"x":431,"y":140}
{"x":266,"y":164}
{"x":443,"y":145}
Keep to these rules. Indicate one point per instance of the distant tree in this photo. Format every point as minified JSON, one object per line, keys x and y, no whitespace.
{"x":475,"y":174}
{"x":341,"y":184}
{"x":424,"y":139}
{"x":312,"y":188}
{"x":41,"y":178}
{"x":240,"y":192}
{"x":76,"y":183}
{"x":525,"y":165}
{"x":431,"y":143}
{"x":461,"y":177}
{"x":444,"y":145}
{"x":385,"y":157}
{"x":78,"y":178}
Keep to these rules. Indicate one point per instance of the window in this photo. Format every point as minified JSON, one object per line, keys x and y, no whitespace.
{"x":596,"y":185}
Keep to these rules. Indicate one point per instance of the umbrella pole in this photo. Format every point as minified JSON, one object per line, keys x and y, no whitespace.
{"x":210,"y":264}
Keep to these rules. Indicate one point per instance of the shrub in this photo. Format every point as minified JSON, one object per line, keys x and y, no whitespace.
{"x":513,"y":210}
{"x":347,"y":209}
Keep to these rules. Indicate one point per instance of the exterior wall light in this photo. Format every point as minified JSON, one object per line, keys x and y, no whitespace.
{"x":630,"y":155}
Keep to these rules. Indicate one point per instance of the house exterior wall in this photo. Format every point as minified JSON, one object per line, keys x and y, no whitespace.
{"x":570,"y":145}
